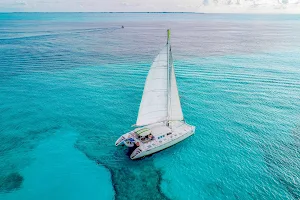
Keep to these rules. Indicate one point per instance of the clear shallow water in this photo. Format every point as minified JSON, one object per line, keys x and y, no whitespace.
{"x":59,"y":171}
{"x":71,"y":84}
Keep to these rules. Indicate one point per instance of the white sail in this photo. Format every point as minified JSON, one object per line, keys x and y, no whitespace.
{"x":154,"y":106}
{"x":160,"y":101}
{"x":175,"y":110}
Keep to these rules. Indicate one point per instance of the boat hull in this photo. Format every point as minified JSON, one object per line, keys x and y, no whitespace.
{"x":163,"y":146}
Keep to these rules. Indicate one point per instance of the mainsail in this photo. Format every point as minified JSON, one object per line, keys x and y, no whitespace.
{"x":175,"y":112}
{"x":160,"y":101}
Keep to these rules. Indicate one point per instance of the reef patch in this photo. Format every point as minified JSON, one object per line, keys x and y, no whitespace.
{"x":11,"y":182}
{"x":131,"y":179}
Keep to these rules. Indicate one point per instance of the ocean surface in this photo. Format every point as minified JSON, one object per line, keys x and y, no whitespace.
{"x":71,"y":84}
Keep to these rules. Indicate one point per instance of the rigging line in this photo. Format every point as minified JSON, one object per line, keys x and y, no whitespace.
{"x":168,"y":77}
{"x":171,"y":74}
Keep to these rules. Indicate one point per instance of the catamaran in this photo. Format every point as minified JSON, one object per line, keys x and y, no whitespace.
{"x":160,"y":123}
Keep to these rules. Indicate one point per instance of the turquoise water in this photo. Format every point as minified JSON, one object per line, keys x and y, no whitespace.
{"x":71,"y":83}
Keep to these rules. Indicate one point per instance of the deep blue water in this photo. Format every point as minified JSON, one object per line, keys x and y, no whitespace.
{"x":71,"y":83}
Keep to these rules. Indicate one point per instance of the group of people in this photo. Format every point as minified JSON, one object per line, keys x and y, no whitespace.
{"x":146,"y":138}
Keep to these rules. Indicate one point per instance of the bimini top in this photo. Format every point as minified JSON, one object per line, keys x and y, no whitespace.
{"x":142,"y":132}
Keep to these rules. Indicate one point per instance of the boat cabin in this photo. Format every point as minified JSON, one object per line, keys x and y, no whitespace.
{"x":158,"y":131}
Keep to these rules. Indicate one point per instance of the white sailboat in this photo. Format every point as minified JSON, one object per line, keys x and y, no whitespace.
{"x":160,"y":123}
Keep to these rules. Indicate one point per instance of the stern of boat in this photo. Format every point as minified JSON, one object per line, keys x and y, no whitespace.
{"x":137,"y":153}
{"x":193,"y":129}
{"x":122,"y":139}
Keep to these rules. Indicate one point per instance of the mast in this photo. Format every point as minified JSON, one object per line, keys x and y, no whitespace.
{"x":168,"y":77}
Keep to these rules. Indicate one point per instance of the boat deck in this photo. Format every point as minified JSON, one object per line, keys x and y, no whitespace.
{"x":163,"y":134}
